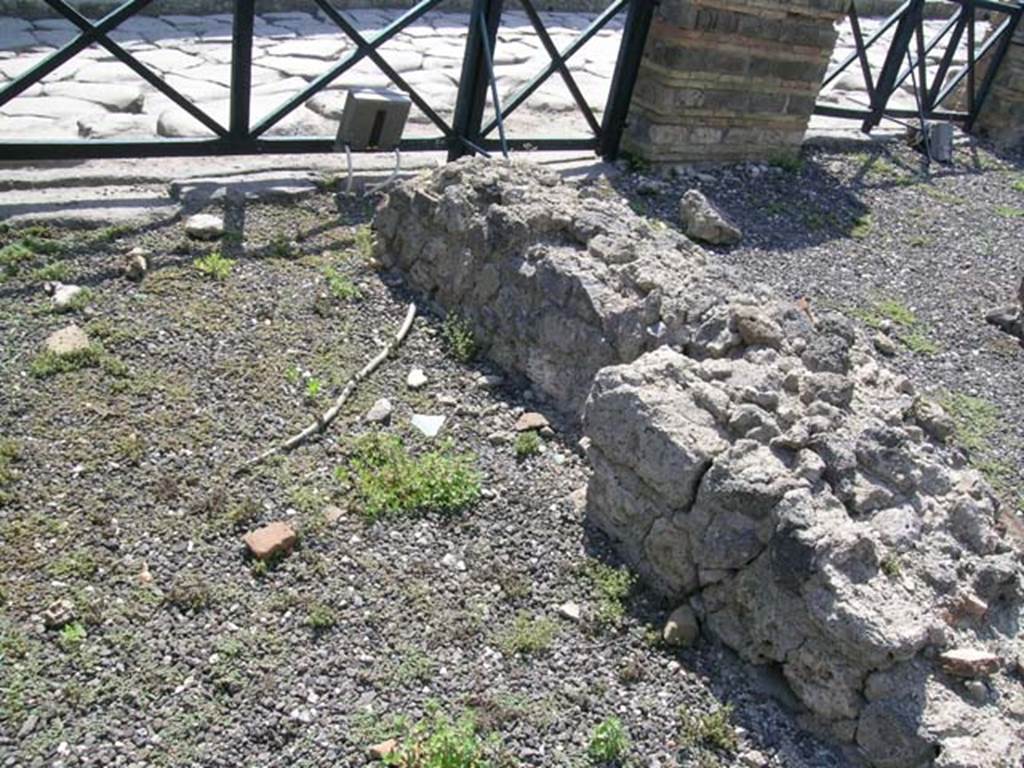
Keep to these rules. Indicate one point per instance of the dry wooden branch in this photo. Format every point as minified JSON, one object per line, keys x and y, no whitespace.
{"x":323,"y":421}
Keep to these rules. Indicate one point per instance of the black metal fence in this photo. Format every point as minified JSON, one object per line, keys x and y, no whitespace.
{"x":465,"y":133}
{"x":950,"y":94}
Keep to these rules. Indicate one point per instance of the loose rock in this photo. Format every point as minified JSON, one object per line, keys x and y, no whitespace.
{"x":970,"y":662}
{"x":531,"y":421}
{"x":59,"y":613}
{"x":380,"y":412}
{"x":703,"y":221}
{"x":71,"y":340}
{"x":270,"y":540}
{"x":429,"y":425}
{"x":205,"y":226}
{"x":682,"y":628}
{"x":136,"y":264}
{"x":416,"y":379}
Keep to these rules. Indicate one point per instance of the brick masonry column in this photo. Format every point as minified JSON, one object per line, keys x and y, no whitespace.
{"x":1002,"y":115}
{"x":730,"y":80}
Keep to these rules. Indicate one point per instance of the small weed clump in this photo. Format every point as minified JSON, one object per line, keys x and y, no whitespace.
{"x":611,"y":586}
{"x":320,"y":616}
{"x":50,"y":363}
{"x":787,"y":161}
{"x":1009,"y":211}
{"x":214,"y":265}
{"x":458,"y":337}
{"x":10,"y":453}
{"x":862,"y":227}
{"x":390,"y":481}
{"x":608,"y":743}
{"x":340,"y":286}
{"x":1018,"y":184}
{"x":527,"y":444}
{"x":362,"y":241}
{"x":439,"y":741}
{"x":708,"y":730}
{"x":528,"y":635}
{"x":72,"y":635}
{"x":190,"y":595}
{"x":891,"y":565}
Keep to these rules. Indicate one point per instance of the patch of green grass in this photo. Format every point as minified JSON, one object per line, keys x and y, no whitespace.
{"x":313,"y":388}
{"x":321,"y":616}
{"x":72,"y":635}
{"x":214,"y":265}
{"x":609,"y":742}
{"x":415,"y":666}
{"x":862,"y":226}
{"x":362,"y":242}
{"x":14,"y":256}
{"x":49,"y":363}
{"x":528,"y":635}
{"x":55,"y":271}
{"x":1009,"y":211}
{"x":10,"y":453}
{"x":1018,"y":184}
{"x":918,"y":342}
{"x":458,"y":337}
{"x":282,"y":247}
{"x":708,"y":730}
{"x":79,"y":564}
{"x":976,"y":419}
{"x":390,"y":481}
{"x":911,"y":331}
{"x":340,"y":286}
{"x":790,"y":162}
{"x":527,"y":444}
{"x":611,"y":588}
{"x":439,"y":741}
{"x":919,"y":241}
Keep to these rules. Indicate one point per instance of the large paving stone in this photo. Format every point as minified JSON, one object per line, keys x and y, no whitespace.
{"x":60,"y":107}
{"x":117,"y":126}
{"x":116,"y":98}
{"x":321,"y":47}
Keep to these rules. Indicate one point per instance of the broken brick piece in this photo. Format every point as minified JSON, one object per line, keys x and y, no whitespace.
{"x":265,"y":542}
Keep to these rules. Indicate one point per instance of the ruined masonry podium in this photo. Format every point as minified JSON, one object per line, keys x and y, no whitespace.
{"x":730,"y":80}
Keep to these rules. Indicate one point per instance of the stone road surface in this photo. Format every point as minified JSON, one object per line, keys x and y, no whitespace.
{"x":95,"y":96}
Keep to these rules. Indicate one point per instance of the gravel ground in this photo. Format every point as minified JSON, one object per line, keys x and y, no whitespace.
{"x":123,"y":501}
{"x":867,"y":230}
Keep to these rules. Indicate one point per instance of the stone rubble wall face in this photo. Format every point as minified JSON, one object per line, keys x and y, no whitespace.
{"x":748,"y":457}
{"x":727,"y":80}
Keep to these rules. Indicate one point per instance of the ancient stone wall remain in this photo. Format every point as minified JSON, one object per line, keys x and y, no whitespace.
{"x":747,"y":455}
{"x":1002,"y":116}
{"x":730,"y":80}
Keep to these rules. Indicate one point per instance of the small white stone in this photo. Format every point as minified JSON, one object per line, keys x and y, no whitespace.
{"x":416,"y":379}
{"x":63,"y":295}
{"x":380,"y":411}
{"x":570,"y":610}
{"x":427,"y":424}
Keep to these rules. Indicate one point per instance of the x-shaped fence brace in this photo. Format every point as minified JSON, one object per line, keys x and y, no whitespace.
{"x":907,"y":55}
{"x":464,"y":134}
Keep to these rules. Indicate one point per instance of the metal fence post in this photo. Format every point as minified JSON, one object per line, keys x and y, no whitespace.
{"x":627,"y":67}
{"x":469,"y":104}
{"x":241,"y":68}
{"x":912,"y":18}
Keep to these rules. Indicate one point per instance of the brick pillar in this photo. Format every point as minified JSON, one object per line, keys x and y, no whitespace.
{"x":1002,"y":115}
{"x":730,"y":80}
